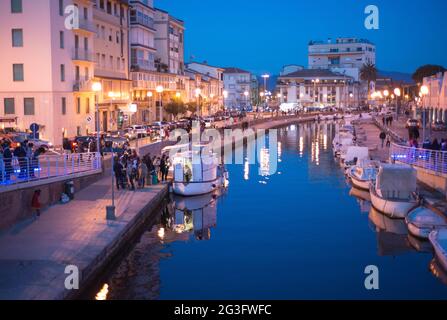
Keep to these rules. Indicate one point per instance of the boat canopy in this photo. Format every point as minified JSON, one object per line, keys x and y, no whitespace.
{"x":361,"y":153}
{"x":396,"y":181}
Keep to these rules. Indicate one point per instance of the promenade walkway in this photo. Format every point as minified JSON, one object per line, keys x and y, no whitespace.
{"x":34,"y":253}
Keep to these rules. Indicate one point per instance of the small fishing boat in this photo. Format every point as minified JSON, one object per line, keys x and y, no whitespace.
{"x":438,"y":239}
{"x":197,"y":172}
{"x":354,"y":154}
{"x":360,"y":194}
{"x":423,"y":220}
{"x":394,"y":191}
{"x":364,"y":174}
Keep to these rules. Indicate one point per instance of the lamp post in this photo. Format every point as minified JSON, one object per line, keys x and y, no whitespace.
{"x":246,"y":98}
{"x":424,"y":91}
{"x":111,"y":96}
{"x":397,"y":94}
{"x":97,"y":87}
{"x":160,"y":90}
{"x":149,"y":94}
{"x":198,"y":91}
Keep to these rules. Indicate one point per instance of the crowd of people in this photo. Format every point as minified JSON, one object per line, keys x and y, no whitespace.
{"x":24,"y":156}
{"x":132,"y":172}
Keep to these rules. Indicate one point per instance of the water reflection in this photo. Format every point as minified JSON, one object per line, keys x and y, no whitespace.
{"x":391,"y":234}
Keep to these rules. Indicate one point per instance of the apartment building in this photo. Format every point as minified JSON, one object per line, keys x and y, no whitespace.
{"x":169,"y":42}
{"x":216,"y":78}
{"x":238,"y":87}
{"x":344,"y":55}
{"x":47,"y":65}
{"x":111,"y":49}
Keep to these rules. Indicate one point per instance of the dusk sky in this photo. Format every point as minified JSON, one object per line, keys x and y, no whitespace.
{"x":261,"y":36}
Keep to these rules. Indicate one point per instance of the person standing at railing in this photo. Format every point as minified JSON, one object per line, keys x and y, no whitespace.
{"x":382,"y":137}
{"x":7,"y":159}
{"x":20,"y":154}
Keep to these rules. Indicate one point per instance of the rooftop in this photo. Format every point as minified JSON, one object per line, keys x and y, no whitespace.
{"x":314,"y":73}
{"x":340,"y":41}
{"x":234,"y":70}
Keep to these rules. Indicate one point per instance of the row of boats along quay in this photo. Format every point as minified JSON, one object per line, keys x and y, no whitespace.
{"x":212,"y":238}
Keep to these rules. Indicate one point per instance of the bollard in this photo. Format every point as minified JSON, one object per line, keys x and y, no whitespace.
{"x":110,"y":213}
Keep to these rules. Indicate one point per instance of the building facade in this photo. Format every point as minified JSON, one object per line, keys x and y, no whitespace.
{"x":318,"y":87}
{"x":111,"y":47}
{"x":345,"y":55}
{"x":238,"y":86}
{"x":436,"y":99}
{"x":48,"y":66}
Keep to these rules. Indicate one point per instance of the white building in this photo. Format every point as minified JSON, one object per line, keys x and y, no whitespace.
{"x":345,"y":55}
{"x":436,"y":99}
{"x":237,"y":83}
{"x":318,"y":87}
{"x":47,"y":68}
{"x":216,"y":75}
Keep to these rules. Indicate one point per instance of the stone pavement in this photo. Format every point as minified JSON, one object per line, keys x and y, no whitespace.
{"x":34,"y":253}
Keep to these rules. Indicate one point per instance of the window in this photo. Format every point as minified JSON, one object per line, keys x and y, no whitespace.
{"x":17,"y":37}
{"x":78,"y":131}
{"x":61,"y":7}
{"x":103,"y":32}
{"x":62,"y":72}
{"x":117,"y":37}
{"x":109,"y":7}
{"x":118,"y":63}
{"x":28,"y":106}
{"x":85,"y":13}
{"x":64,"y":105}
{"x":111,"y":62}
{"x":61,"y":40}
{"x":9,"y":106}
{"x":17,"y":70}
{"x":86,"y":73}
{"x":87,"y":106}
{"x":111,"y":35}
{"x":78,"y":105}
{"x":16,"y":6}
{"x":115,"y":10}
{"x":101,"y":4}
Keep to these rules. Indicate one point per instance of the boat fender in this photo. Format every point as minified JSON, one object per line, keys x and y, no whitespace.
{"x":214,"y":185}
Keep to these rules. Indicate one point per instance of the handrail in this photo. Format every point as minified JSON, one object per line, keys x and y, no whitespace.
{"x":22,"y":170}
{"x":433,"y":160}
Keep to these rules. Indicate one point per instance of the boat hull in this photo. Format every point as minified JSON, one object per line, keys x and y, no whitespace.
{"x":441,"y":252}
{"x":358,"y":183}
{"x":422,"y":221}
{"x":195,"y":188}
{"x":395,"y":209}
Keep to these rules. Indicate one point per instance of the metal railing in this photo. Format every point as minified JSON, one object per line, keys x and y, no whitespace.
{"x":435,"y":161}
{"x":21,"y":170}
{"x":389,"y":131}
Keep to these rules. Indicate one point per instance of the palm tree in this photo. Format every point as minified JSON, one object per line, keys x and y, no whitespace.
{"x":368,"y":73}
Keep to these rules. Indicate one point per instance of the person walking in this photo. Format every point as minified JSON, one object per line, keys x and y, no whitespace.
{"x":7,"y":158}
{"x":118,"y":171}
{"x":382,"y":137}
{"x":130,"y":174}
{"x":35,"y":203}
{"x":388,"y":141}
{"x":155,"y":171}
{"x":142,"y":173}
{"x":162,"y":168}
{"x":167,"y":166}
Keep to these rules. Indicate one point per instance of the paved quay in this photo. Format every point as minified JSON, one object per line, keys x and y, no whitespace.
{"x":35,"y":253}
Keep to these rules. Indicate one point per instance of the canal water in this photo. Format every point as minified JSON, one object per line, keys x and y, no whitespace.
{"x":300,"y":233}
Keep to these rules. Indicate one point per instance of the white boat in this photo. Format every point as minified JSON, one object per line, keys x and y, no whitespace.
{"x":363,"y":174}
{"x":438,"y":239}
{"x":354,"y":154}
{"x":394,"y":192}
{"x":423,"y":220}
{"x":197,"y":172}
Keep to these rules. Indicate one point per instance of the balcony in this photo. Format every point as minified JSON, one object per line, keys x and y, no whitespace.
{"x":147,"y":22}
{"x":86,"y":25}
{"x":138,"y":64}
{"x":82,"y":86}
{"x":82,"y":55}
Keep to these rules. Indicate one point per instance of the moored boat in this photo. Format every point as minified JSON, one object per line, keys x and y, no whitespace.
{"x":363,"y":174}
{"x":394,"y":192}
{"x":423,"y":220}
{"x":438,"y":239}
{"x":197,"y":172}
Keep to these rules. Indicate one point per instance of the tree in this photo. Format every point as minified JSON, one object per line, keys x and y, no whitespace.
{"x":426,"y":71}
{"x":175,"y":107}
{"x":368,"y":73}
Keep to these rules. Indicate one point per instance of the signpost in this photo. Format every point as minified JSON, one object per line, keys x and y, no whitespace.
{"x":34,"y":127}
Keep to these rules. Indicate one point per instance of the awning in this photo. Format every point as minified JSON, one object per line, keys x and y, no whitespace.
{"x":8,"y":119}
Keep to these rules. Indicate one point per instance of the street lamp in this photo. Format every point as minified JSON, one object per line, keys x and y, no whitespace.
{"x":178,"y":95}
{"x":97,"y":87}
{"x":160,"y":90}
{"x":397,"y":93}
{"x":423,"y":92}
{"x":265,"y":76}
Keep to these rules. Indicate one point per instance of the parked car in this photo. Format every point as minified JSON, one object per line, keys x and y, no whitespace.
{"x":439,"y":126}
{"x":139,"y":130}
{"x":209,"y":122}
{"x":413,"y":123}
{"x":130,"y":134}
